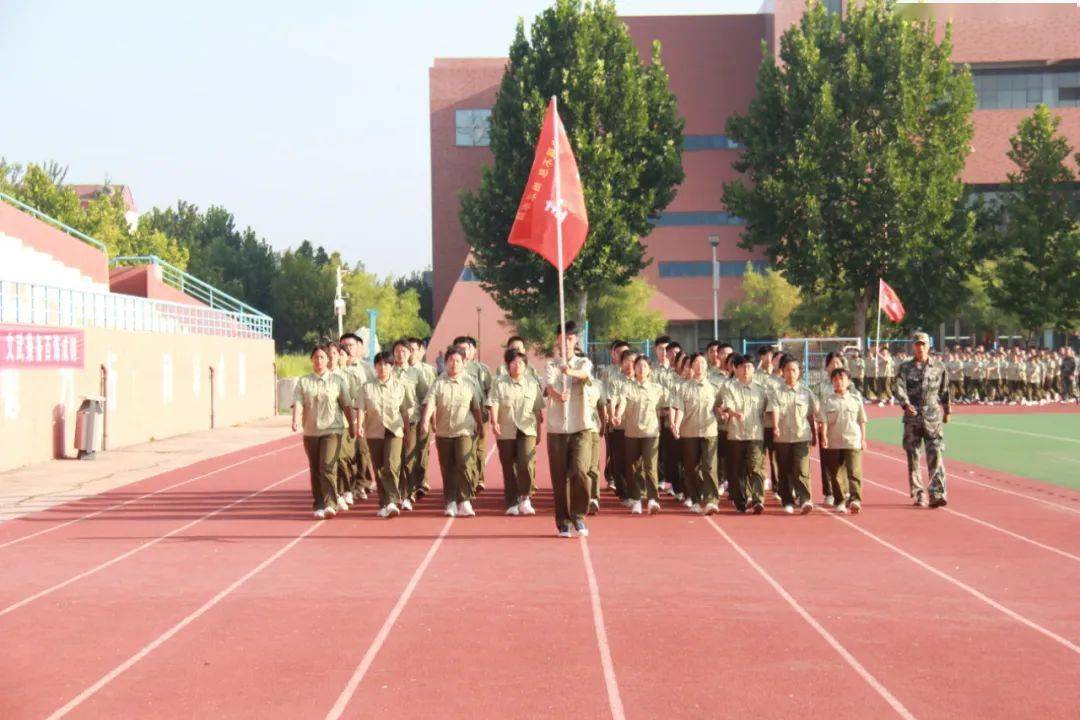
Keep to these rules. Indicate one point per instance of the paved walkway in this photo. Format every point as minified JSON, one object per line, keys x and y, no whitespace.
{"x":43,"y":485}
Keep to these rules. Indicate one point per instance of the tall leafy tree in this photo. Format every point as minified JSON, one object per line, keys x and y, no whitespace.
{"x":766,"y":310}
{"x":853,"y":148}
{"x":304,"y":299}
{"x":1037,"y":270}
{"x":625,"y":132}
{"x":399,"y":309}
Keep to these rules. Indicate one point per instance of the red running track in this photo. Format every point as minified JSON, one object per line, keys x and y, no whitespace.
{"x":220,"y":597}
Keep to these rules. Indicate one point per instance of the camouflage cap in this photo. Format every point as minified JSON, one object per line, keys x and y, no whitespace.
{"x":921,"y":337}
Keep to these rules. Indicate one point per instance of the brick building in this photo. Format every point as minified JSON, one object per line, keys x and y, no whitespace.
{"x":1020,"y":54}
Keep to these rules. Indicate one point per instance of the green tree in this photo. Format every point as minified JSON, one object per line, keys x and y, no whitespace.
{"x":417,"y":281}
{"x":625,"y":132}
{"x":853,"y":148}
{"x":1037,"y":273}
{"x":766,"y":308}
{"x":304,"y":298}
{"x":624,"y":312}
{"x":399,"y":312}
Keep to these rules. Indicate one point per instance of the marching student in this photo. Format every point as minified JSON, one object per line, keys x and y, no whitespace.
{"x":794,"y":409}
{"x":406,"y":374}
{"x":425,"y":377}
{"x":362,"y":477}
{"x":594,"y":404}
{"x":321,"y":402}
{"x":516,"y":408}
{"x":841,"y":421}
{"x":454,"y":403}
{"x":744,"y":410}
{"x":479,"y":373}
{"x":606,"y":374}
{"x":346,"y":463}
{"x":638,"y":406}
{"x":694,"y":418}
{"x":763,"y":376}
{"x":616,"y":433}
{"x":385,"y":410}
{"x":568,"y":442}
{"x":833,"y":361}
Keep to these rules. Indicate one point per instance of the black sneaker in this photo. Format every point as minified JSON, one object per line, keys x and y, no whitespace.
{"x":758,"y":508}
{"x":938,"y":501}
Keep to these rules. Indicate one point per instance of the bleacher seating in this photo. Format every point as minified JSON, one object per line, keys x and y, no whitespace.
{"x":26,"y":264}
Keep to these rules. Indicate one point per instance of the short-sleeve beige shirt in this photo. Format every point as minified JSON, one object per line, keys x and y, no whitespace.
{"x":795,"y":408}
{"x":698,"y":400}
{"x":842,"y":415}
{"x":574,"y":415}
{"x":382,"y":404}
{"x":454,"y":399}
{"x":638,"y":403}
{"x":518,"y":402}
{"x":320,"y":397}
{"x":749,"y":401}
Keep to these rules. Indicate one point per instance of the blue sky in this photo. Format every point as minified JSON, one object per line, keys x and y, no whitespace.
{"x":306,"y":120}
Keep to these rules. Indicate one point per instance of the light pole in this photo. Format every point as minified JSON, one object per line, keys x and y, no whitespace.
{"x":478,"y":310}
{"x":714,"y":240}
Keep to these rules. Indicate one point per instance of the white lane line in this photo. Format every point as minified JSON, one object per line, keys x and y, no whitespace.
{"x":979,"y":521}
{"x":610,"y":681}
{"x":1015,"y":432}
{"x":963,"y":586}
{"x":149,"y":543}
{"x":117,"y":506}
{"x":168,"y":634}
{"x":825,"y":634}
{"x":384,"y":632}
{"x":988,"y":486}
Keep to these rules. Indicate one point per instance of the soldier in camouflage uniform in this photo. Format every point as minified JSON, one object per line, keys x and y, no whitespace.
{"x":922,"y":390}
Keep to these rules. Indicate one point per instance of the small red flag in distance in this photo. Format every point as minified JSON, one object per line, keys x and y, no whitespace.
{"x":536,"y":222}
{"x":889,"y":302}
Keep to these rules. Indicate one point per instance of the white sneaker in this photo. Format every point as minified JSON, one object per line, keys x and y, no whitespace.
{"x":842,"y":509}
{"x":527,"y":507}
{"x":582,"y":531}
{"x":329,"y":511}
{"x":654,"y":507}
{"x":451,"y":509}
{"x":565,"y":534}
{"x":855,"y":507}
{"x":712,"y":508}
{"x":789,"y":509}
{"x":342,"y":505}
{"x":406,"y":504}
{"x":768,"y":484}
{"x":723,"y":489}
{"x":806,"y":508}
{"x":635,"y":507}
{"x":695,"y":508}
{"x":688,"y":503}
{"x":627,"y":503}
{"x":388,"y":511}
{"x":513,"y":510}
{"x":665,"y":487}
{"x":320,"y":514}
{"x":594,"y":506}
{"x":349,"y":498}
{"x":464,"y":509}
{"x":829,"y":500}
{"x":362,"y":494}
{"x":393,"y":509}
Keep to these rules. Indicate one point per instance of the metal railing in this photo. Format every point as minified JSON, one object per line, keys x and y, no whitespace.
{"x":55,"y":223}
{"x":189,"y":284}
{"x":35,"y":304}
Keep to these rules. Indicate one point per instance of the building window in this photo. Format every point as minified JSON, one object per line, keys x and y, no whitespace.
{"x":694,"y":143}
{"x":689,"y":219}
{"x":703,"y":268}
{"x":1010,"y":88}
{"x":468,"y":274}
{"x":472,"y":128}
{"x":834,"y":6}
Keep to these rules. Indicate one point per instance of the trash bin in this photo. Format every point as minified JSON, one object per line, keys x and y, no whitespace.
{"x":89,"y":426}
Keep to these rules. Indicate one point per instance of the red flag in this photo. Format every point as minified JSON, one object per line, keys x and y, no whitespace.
{"x":535,"y":225}
{"x":889,"y":302}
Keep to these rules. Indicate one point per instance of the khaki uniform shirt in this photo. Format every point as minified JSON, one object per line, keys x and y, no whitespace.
{"x":749,"y":400}
{"x":610,"y":393}
{"x":795,"y":409}
{"x":574,"y":415}
{"x":454,"y":399}
{"x":479,"y":372}
{"x":411,"y":376}
{"x":425,"y":378}
{"x":698,"y":400}
{"x":768,"y":383}
{"x":639,"y":403}
{"x":358,"y":374}
{"x":518,"y":403}
{"x":383,"y":403}
{"x":322,"y":397}
{"x":842,"y":415}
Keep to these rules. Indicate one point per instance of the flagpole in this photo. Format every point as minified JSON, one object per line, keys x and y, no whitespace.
{"x":558,"y":235}
{"x":877,"y":342}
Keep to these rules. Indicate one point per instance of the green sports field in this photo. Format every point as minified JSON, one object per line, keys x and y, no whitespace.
{"x":1039,"y":446}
